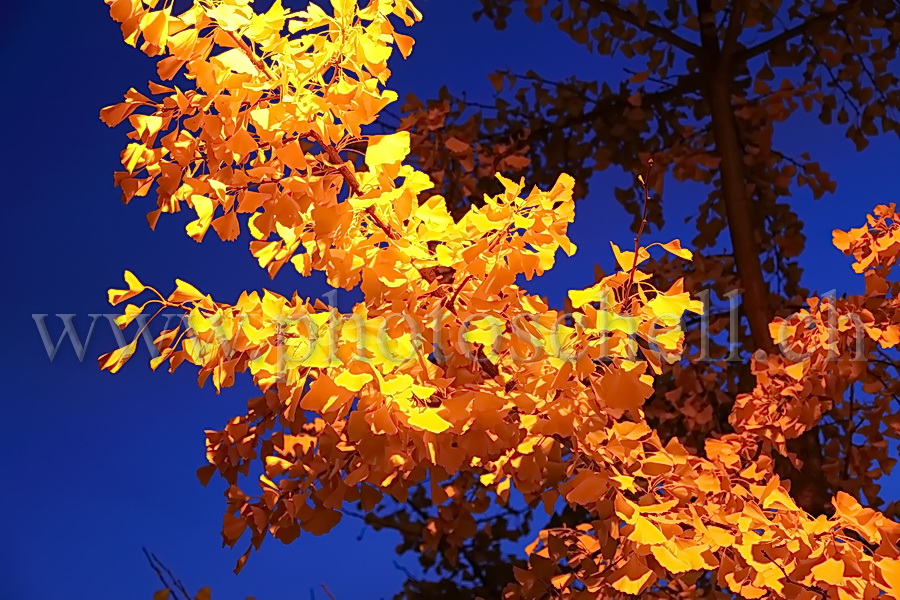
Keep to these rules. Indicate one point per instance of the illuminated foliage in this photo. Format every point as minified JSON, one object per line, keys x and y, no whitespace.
{"x":448,"y":374}
{"x":711,"y":90}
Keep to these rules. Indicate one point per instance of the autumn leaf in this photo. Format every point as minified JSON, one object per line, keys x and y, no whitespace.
{"x":387,"y":149}
{"x":429,"y":420}
{"x":135,"y":287}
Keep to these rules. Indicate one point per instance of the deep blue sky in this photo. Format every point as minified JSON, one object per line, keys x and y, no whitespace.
{"x":96,"y":466}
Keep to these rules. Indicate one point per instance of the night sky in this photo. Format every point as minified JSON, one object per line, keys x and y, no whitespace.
{"x":96,"y":466}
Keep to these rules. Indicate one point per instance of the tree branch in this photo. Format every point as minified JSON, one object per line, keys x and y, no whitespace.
{"x":614,"y":10}
{"x":735,"y":24}
{"x":335,"y":157}
{"x":789,"y":34}
{"x":738,"y":207}
{"x":166,"y":577}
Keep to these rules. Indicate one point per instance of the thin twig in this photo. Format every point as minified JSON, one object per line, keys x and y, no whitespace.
{"x":254,"y":58}
{"x":174,"y":584}
{"x":327,"y":591}
{"x":637,"y":239}
{"x":405,"y":571}
{"x":458,"y":290}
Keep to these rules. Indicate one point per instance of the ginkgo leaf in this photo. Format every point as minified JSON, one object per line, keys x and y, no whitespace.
{"x":669,"y":309}
{"x":233,"y":527}
{"x":626,"y":259}
{"x":586,"y":487}
{"x":322,"y":522}
{"x":404,"y":43}
{"x":115,"y":114}
{"x":632,"y":577}
{"x":830,"y":571}
{"x":292,"y":155}
{"x":135,"y":287}
{"x":352,"y":382}
{"x":645,"y":532}
{"x":675,"y":248}
{"x":343,"y":7}
{"x":889,"y":569}
{"x":236,"y":60}
{"x":131,"y":311}
{"x":669,"y":560}
{"x":400,"y":385}
{"x":185,"y":292}
{"x":607,"y":321}
{"x":116,"y":359}
{"x":624,"y":389}
{"x":230,"y":16}
{"x":205,"y":473}
{"x":595,"y":293}
{"x":796,"y":370}
{"x":155,"y":26}
{"x":780,"y":500}
{"x":429,"y":420}
{"x":387,"y":149}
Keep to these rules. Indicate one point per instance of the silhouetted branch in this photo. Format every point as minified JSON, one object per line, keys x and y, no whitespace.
{"x":166,"y":577}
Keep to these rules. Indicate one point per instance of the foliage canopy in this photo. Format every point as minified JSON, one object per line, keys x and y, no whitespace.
{"x":448,"y":374}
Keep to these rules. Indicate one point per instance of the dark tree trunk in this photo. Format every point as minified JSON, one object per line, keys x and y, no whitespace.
{"x":716,"y":66}
{"x":716,"y":63}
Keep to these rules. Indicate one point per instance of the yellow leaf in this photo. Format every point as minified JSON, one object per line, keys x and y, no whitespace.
{"x":235,"y":60}
{"x":669,"y":309}
{"x":352,"y":382}
{"x":675,"y":248}
{"x":607,"y":321}
{"x":831,"y":571}
{"x":779,"y":500}
{"x":185,"y":292}
{"x":780,"y":330}
{"x":632,"y":577}
{"x":155,"y":26}
{"x":116,"y":359}
{"x":669,"y":340}
{"x":135,"y":287}
{"x":429,"y":420}
{"x":669,"y":560}
{"x":132,"y":155}
{"x":131,"y":311}
{"x":343,"y":7}
{"x":889,"y":569}
{"x":484,"y":331}
{"x":436,"y":221}
{"x":387,"y":149}
{"x":626,"y":260}
{"x":399,"y":386}
{"x":228,"y":16}
{"x":645,"y":532}
{"x":595,"y":293}
{"x":796,"y":370}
